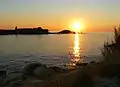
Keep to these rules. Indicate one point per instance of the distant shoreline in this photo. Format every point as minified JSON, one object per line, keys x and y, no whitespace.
{"x":32,"y":31}
{"x":39,"y":34}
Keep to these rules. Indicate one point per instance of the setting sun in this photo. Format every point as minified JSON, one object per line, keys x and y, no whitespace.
{"x":76,"y":26}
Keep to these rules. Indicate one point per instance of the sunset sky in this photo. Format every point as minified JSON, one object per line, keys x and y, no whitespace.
{"x":96,"y":15}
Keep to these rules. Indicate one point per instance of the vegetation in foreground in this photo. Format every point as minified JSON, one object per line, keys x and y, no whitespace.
{"x":111,"y":49}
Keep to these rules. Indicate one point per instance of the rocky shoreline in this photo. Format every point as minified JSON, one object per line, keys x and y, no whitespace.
{"x":39,"y":75}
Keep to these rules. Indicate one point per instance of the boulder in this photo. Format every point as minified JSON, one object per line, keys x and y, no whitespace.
{"x":40,"y":71}
{"x":58,"y":70}
{"x":30,"y":68}
{"x":43,"y":73}
{"x":12,"y":79}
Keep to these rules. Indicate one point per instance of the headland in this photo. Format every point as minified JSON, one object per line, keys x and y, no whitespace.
{"x":31,"y":31}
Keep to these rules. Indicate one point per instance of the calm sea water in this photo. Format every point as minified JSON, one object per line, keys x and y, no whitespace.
{"x":52,"y":50}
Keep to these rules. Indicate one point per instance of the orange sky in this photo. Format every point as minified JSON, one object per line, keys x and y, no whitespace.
{"x":96,"y":15}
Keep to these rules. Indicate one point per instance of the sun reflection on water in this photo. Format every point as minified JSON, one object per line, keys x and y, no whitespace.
{"x":76,"y":55}
{"x":76,"y":46}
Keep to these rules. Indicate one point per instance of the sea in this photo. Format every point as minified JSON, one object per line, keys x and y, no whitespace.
{"x":61,"y":50}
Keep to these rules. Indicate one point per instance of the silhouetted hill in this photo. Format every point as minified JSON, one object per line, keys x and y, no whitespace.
{"x":66,"y":32}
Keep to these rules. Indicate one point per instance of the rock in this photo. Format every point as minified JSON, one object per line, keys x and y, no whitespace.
{"x":43,"y":73}
{"x":39,"y":71}
{"x":12,"y":79}
{"x":83,"y":81}
{"x":81,"y":64}
{"x":2,"y":73}
{"x":30,"y":68}
{"x":92,"y":62}
{"x":35,"y":81}
{"x":58,"y":70}
{"x":84,"y":64}
{"x":111,"y":70}
{"x":2,"y":76}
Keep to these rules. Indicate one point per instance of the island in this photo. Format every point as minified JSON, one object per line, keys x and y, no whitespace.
{"x":31,"y":31}
{"x":66,"y":32}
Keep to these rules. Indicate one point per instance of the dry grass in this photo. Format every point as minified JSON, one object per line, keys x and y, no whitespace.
{"x":111,"y":49}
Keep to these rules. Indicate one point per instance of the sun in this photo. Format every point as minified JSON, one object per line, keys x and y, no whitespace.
{"x":76,"y":26}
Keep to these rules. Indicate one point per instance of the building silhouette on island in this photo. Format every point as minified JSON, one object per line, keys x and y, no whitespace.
{"x":38,"y":30}
{"x":16,"y":31}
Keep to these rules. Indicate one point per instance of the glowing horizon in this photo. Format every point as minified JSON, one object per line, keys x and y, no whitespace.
{"x":99,"y":15}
